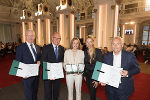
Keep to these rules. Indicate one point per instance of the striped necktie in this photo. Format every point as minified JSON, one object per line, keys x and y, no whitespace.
{"x":35,"y":54}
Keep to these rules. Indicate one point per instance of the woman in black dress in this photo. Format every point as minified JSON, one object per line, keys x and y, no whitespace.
{"x":92,"y":55}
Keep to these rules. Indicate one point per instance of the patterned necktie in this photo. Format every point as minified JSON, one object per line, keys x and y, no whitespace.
{"x":35,"y":55}
{"x":56,"y":52}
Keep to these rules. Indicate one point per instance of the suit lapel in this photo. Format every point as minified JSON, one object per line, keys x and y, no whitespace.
{"x":52,"y":48}
{"x":59,"y":52}
{"x":28,"y":51}
{"x":123,"y":59}
{"x":111,"y":59}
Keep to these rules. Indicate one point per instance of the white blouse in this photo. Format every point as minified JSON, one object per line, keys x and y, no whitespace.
{"x":73,"y":57}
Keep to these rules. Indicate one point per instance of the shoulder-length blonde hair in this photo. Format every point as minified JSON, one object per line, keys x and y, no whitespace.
{"x":71,"y":44}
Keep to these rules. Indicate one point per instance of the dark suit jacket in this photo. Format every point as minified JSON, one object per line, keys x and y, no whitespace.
{"x":89,"y":67}
{"x":129,"y":63}
{"x":48,"y":54}
{"x":24,"y":55}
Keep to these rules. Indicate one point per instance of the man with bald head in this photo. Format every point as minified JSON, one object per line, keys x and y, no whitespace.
{"x":127,"y":61}
{"x":29,"y":53}
{"x":53,"y":53}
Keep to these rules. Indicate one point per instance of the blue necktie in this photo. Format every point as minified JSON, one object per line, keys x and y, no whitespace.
{"x":56,"y":52}
{"x":35,"y":55}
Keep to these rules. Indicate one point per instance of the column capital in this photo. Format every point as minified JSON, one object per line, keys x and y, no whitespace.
{"x":42,"y":17}
{"x":66,"y":11}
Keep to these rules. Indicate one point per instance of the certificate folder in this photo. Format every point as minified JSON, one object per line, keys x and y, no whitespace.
{"x":45,"y":70}
{"x":107,"y":74}
{"x":72,"y":68}
{"x":52,"y":71}
{"x":24,"y":70}
{"x":97,"y":71}
{"x":14,"y":68}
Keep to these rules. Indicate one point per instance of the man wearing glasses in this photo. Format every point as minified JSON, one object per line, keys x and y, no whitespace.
{"x":53,"y":53}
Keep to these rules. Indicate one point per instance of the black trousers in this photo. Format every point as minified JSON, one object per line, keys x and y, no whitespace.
{"x":51,"y":88}
{"x":115,"y":94}
{"x":31,"y":87}
{"x":91,"y":88}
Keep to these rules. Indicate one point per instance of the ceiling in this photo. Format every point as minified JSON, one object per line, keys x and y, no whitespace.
{"x":15,"y":7}
{"x":79,"y":5}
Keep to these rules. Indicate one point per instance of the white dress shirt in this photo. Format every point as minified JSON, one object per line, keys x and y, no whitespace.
{"x":31,"y":49}
{"x":54,"y":46}
{"x":117,"y":60}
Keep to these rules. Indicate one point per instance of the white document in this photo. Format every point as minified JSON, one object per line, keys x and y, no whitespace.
{"x":74,"y":68}
{"x":55,"y":70}
{"x":110,"y":75}
{"x":68,"y":68}
{"x":27,"y":70}
{"x":71,"y":68}
{"x":81,"y":67}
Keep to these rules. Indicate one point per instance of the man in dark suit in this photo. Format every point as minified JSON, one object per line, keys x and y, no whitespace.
{"x":127,"y":61}
{"x":53,"y":53}
{"x":29,"y":53}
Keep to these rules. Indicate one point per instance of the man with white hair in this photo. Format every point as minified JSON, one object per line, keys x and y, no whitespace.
{"x":127,"y":61}
{"x":29,"y":53}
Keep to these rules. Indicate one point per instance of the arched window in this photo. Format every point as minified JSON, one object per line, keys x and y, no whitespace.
{"x":147,"y":5}
{"x":93,"y":14}
{"x":146,"y":35}
{"x":78,"y":16}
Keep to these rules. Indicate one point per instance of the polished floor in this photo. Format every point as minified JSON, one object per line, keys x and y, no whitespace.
{"x":15,"y":92}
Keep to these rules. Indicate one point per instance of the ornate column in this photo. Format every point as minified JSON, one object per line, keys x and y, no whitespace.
{"x":101,"y":22}
{"x":83,"y":32}
{"x":61,"y":28}
{"x":23,"y":31}
{"x":66,"y":27}
{"x":123,"y":29}
{"x":57,"y":23}
{"x":115,"y":17}
{"x":48,"y":30}
{"x":80,"y":31}
{"x":105,"y":22}
{"x":136,"y":33}
{"x":30,"y":25}
{"x":72,"y":26}
{"x":39,"y":36}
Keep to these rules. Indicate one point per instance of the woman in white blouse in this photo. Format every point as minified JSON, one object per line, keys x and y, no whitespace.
{"x":74,"y":56}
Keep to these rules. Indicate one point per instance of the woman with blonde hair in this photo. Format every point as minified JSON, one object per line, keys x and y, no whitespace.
{"x":73,"y":59}
{"x":92,"y":55}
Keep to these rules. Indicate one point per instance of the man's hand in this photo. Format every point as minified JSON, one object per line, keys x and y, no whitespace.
{"x":124,"y":73}
{"x":85,"y":78}
{"x":95,"y":84}
{"x":25,"y":77}
{"x":52,"y":79}
{"x":102,"y":84}
{"x":38,"y":62}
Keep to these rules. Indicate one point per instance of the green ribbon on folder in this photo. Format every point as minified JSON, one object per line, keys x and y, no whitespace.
{"x":45,"y":71}
{"x":97,"y":71}
{"x":14,"y":68}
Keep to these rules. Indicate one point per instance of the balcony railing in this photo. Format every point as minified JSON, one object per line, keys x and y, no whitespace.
{"x":139,"y":11}
{"x":84,"y":17}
